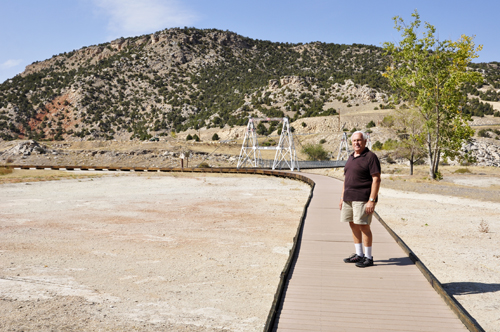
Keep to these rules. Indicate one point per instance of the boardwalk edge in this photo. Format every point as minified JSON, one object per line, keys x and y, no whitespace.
{"x":470,"y":323}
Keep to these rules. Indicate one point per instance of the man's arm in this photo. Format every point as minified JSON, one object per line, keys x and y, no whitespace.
{"x":370,"y":206}
{"x":342,"y":196}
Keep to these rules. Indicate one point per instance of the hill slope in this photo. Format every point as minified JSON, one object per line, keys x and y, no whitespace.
{"x":177,"y":79}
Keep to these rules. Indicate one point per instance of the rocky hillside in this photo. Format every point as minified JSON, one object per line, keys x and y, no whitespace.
{"x":189,"y":79}
{"x":177,"y":79}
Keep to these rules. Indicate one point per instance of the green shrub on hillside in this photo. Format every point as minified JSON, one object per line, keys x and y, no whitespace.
{"x":377,"y":146}
{"x":315,"y":152}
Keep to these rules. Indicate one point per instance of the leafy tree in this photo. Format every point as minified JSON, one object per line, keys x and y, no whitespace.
{"x":261,"y":129}
{"x":215,"y":137}
{"x":409,"y":124}
{"x":428,"y":74}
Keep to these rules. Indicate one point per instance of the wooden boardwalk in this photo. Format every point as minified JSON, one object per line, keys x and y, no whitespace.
{"x":322,"y":293}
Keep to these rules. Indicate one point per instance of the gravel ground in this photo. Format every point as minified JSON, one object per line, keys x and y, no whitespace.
{"x":144,"y":251}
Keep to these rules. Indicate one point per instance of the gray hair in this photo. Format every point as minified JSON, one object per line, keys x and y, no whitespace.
{"x":365,"y":137}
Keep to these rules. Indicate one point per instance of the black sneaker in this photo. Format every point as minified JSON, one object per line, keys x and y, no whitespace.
{"x":354,"y":259}
{"x":365,"y":262}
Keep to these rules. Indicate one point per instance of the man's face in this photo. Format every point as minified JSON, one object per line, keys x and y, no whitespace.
{"x":358,"y":143}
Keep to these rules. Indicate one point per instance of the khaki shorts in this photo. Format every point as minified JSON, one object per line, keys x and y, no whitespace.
{"x":354,"y":211}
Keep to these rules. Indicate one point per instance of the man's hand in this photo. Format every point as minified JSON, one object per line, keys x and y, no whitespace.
{"x":370,"y":207}
{"x":340,"y":204}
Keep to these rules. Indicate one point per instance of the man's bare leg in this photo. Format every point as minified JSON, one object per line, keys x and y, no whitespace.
{"x":367,"y":235}
{"x":356,"y":232}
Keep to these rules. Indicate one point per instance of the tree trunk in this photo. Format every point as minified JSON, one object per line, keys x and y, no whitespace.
{"x":429,"y":154}
{"x":437,"y":157}
{"x":411,"y":163}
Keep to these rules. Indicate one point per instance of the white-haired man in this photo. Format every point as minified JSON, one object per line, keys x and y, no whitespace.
{"x":359,"y":195}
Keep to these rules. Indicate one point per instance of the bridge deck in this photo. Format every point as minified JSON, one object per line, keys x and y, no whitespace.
{"x":323,"y":293}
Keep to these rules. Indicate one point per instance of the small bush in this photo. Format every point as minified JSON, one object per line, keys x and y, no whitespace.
{"x":189,"y":137}
{"x":304,"y":124}
{"x":204,"y":165}
{"x":462,"y":171}
{"x":215,"y":137}
{"x":5,"y":170}
{"x":496,"y":114}
{"x":375,"y":108}
{"x":370,"y":124}
{"x":330,"y":111}
{"x":271,"y":142}
{"x":196,"y":138}
{"x":377,"y":146}
{"x":484,"y":227}
{"x":483,"y":133}
{"x":322,"y":141}
{"x":315,"y":152}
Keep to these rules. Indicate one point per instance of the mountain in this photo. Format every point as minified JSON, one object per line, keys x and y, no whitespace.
{"x":177,"y":79}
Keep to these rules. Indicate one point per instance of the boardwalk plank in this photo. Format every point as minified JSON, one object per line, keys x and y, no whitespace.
{"x":322,"y":293}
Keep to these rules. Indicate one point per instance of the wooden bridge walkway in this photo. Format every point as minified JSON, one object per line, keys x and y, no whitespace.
{"x":322,"y":293}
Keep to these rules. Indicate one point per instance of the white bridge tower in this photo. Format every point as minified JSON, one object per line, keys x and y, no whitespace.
{"x":285,"y":150}
{"x":343,"y":148}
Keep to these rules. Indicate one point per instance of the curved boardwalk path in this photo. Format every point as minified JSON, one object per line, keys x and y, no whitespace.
{"x":322,"y":293}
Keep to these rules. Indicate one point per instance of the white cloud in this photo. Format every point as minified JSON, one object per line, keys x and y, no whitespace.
{"x":135,"y":17}
{"x":11,"y":63}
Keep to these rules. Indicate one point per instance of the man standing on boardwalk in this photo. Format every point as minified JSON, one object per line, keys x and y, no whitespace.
{"x":359,"y":195}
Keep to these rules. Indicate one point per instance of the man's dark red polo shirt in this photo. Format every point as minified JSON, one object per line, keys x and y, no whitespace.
{"x":358,"y":176}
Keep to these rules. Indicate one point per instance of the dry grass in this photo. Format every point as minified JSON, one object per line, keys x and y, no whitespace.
{"x":5,"y":170}
{"x":21,"y":175}
{"x":484,"y":227}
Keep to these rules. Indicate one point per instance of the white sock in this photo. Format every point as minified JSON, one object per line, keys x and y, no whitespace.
{"x":359,"y":249}
{"x":368,"y":251}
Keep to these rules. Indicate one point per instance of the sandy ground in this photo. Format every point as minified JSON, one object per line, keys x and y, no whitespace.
{"x":145,"y":251}
{"x":453,"y":226}
{"x":125,"y":261}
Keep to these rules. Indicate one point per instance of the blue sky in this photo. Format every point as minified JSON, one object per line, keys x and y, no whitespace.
{"x":34,"y":30}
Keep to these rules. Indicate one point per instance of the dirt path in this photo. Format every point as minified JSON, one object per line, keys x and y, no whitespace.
{"x":144,"y":252}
